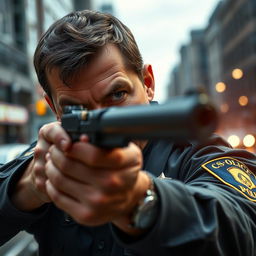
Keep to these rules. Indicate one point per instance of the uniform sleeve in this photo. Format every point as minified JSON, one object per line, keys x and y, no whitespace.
{"x":209,"y":209}
{"x":11,"y":219}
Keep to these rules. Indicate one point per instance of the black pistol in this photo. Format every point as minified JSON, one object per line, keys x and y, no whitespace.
{"x":182,"y":118}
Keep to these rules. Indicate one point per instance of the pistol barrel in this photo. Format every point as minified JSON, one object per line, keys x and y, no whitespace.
{"x":180,"y":119}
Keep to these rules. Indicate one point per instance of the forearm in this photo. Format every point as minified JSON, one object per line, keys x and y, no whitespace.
{"x":24,"y":196}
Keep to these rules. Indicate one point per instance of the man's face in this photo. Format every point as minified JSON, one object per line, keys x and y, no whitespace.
{"x":104,"y":82}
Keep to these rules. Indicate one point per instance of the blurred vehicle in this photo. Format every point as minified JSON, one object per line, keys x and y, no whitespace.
{"x":10,"y":151}
{"x":23,"y":244}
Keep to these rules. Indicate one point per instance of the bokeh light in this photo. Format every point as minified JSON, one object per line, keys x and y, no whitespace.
{"x":224,"y":108}
{"x":233,"y":140}
{"x":220,"y":87}
{"x":249,"y":140}
{"x":243,"y":100}
{"x":237,"y":73}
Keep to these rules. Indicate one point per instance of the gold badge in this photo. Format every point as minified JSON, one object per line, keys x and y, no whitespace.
{"x":235,"y":174}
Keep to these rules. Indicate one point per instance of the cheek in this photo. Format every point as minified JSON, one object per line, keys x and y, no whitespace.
{"x":142,"y":94}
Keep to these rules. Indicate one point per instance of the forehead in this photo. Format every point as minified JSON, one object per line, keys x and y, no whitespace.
{"x":107,"y":62}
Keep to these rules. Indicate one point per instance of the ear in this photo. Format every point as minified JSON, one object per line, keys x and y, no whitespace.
{"x":51,"y":105}
{"x":149,"y":81}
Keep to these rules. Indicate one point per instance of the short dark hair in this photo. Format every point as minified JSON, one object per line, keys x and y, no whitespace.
{"x":71,"y":42}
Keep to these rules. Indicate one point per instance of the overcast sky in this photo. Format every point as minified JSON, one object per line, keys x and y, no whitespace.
{"x":160,"y":28}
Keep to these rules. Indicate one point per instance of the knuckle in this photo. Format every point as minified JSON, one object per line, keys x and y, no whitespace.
{"x":98,"y":200}
{"x":94,"y":159}
{"x":112,"y":182}
{"x":43,"y":129}
{"x":38,"y":169}
{"x":39,"y":184}
{"x":55,"y":177}
{"x":38,"y":151}
{"x":56,"y":180}
{"x":84,"y":216}
{"x":119,"y":157}
{"x":138,"y":156}
{"x":56,"y":197}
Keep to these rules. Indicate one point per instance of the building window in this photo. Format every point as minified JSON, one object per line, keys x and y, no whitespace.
{"x":3,"y":93}
{"x":6,"y":21}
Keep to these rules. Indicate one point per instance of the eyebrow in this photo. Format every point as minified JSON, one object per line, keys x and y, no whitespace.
{"x":64,"y":102}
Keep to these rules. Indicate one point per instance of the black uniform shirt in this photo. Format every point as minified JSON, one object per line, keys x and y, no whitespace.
{"x":207,"y":207}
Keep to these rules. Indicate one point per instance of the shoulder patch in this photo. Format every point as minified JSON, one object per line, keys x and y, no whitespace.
{"x":233,"y":173}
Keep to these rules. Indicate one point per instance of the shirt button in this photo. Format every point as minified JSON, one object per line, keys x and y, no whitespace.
{"x":67,"y":218}
{"x":101,"y":245}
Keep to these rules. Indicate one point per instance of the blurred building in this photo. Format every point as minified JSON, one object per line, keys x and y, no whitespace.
{"x":214,"y":52}
{"x":191,"y":73}
{"x":83,"y":4}
{"x":238,"y":40}
{"x":15,"y":82}
{"x":22,"y":22}
{"x":103,"y":6}
{"x":40,"y":15}
{"x":227,"y":50}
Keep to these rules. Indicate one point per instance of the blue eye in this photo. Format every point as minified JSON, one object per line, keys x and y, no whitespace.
{"x":118,"y":95}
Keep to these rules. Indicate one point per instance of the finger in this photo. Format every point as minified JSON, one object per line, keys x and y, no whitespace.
{"x":38,"y":170}
{"x":55,"y":134}
{"x":41,"y":150}
{"x":100,"y":157}
{"x":69,"y":205}
{"x":39,"y":176}
{"x":94,"y":211}
{"x":59,"y":166}
{"x":71,"y":187}
{"x":68,"y":166}
{"x":109,"y":179}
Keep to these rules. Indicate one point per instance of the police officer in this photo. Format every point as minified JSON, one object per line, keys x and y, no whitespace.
{"x":149,"y":198}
